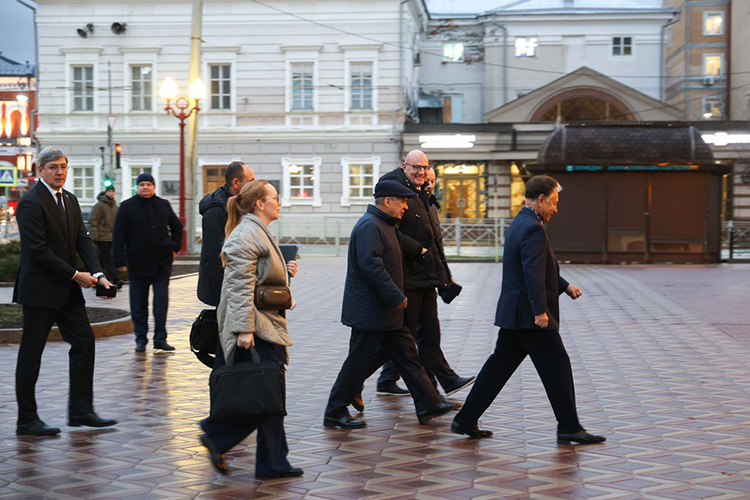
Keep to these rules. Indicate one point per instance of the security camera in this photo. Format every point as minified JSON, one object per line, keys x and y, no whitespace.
{"x":86,"y":31}
{"x":119,"y":28}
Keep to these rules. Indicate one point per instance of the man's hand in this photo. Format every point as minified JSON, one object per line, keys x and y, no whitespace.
{"x":541,"y":320}
{"x":106,"y":284}
{"x":174,"y":255}
{"x":123,"y":269}
{"x":402,"y":305}
{"x":85,"y":280}
{"x":573,"y":292}
{"x":245,"y":340}
{"x":291,"y":268}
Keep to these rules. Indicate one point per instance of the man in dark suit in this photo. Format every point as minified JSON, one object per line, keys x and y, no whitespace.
{"x":49,"y":288}
{"x":528,"y":314}
{"x":374,"y":303}
{"x":146,"y":240}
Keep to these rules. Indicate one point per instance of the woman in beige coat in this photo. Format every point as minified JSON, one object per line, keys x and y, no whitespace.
{"x":251,"y":257}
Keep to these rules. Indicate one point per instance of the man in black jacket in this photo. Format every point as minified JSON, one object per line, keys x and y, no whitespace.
{"x":213,"y":208}
{"x":373,"y":307}
{"x":422,"y":275}
{"x":146,"y":240}
{"x":49,"y":288}
{"x":528,"y":314}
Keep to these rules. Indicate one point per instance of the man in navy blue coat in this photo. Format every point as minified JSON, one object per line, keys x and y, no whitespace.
{"x":374,"y":304}
{"x":528,"y":314}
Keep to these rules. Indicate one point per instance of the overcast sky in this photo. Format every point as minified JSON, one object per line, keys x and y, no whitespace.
{"x":17,"y":31}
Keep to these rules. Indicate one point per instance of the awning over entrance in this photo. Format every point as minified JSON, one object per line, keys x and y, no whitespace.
{"x":625,"y":146}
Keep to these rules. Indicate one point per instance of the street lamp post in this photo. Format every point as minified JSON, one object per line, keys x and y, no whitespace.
{"x":182,"y":111}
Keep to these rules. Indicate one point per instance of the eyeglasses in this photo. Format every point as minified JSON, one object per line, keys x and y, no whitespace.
{"x":419,"y":167}
{"x":273,"y":198}
{"x":53,"y":167}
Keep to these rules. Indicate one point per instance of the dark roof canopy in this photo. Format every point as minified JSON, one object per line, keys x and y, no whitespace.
{"x":623,"y":144}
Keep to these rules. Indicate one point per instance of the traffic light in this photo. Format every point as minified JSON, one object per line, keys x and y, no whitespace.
{"x":118,"y":150}
{"x":107,"y":183}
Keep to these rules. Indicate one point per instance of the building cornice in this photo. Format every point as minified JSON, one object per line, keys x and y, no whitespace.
{"x":140,"y":50}
{"x":221,"y":48}
{"x":360,"y":46}
{"x":81,"y":50}
{"x":301,"y":48}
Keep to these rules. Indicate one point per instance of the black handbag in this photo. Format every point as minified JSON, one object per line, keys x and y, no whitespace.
{"x":250,"y":389}
{"x":204,"y":335}
{"x":270,"y":297}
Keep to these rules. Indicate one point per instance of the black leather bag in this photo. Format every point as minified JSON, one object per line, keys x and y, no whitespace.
{"x":204,"y":335}
{"x":250,"y":389}
{"x":270,"y":297}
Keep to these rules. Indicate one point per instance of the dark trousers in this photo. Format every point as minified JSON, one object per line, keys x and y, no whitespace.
{"x":422,"y":320}
{"x":104,"y":251}
{"x":551,"y":362}
{"x":226,"y":433}
{"x":368,"y":351}
{"x":75,"y":330}
{"x":139,"y":305}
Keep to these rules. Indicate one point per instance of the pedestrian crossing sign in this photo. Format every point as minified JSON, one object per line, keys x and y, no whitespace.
{"x":8,"y":176}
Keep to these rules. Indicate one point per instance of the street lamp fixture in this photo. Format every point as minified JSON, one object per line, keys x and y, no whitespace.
{"x":182,"y":110}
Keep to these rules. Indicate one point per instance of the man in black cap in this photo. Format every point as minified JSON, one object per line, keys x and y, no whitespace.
{"x":146,"y":240}
{"x":374,"y":304}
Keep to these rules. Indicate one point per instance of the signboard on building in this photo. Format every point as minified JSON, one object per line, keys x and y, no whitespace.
{"x":8,"y":176}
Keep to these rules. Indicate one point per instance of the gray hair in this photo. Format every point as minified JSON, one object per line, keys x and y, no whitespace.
{"x":47,"y":155}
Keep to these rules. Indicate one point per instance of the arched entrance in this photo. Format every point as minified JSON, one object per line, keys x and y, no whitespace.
{"x":583,"y":105}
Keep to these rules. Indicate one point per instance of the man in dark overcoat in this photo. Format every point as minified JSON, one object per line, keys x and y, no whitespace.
{"x":146,"y":240}
{"x":373,"y":306}
{"x":528,"y":314}
{"x":49,"y":288}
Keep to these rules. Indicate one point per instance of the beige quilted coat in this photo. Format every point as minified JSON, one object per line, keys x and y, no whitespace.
{"x":252,"y":257}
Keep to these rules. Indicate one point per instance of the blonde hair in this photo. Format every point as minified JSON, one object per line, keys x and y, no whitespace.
{"x":244,"y":203}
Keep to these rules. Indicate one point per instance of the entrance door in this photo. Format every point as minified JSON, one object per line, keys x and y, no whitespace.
{"x":461,"y":198}
{"x":213,"y":178}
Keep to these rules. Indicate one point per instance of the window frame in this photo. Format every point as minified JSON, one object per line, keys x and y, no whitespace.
{"x":126,"y":182}
{"x":286,"y":188}
{"x":150,"y":89}
{"x":717,"y":99}
{"x":721,"y":65}
{"x":210,"y":97}
{"x":303,"y":88}
{"x":93,"y":163}
{"x":346,"y":162}
{"x":622,"y":46}
{"x":452,"y":58}
{"x":526,"y":39}
{"x":72,"y":67}
{"x":350,"y":80}
{"x":710,"y":13}
{"x":452,"y":97}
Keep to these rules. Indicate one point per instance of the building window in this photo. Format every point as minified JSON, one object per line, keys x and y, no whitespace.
{"x":135,"y":171}
{"x":526,"y":47}
{"x":453,"y":109}
{"x":301,"y":181}
{"x":622,"y":46}
{"x":713,"y":23}
{"x":361,"y":79}
{"x":453,"y":52}
{"x":221,"y":86}
{"x":359,"y":178}
{"x":83,"y":88}
{"x":712,"y":65}
{"x":302,"y":85}
{"x":712,"y":106}
{"x":84,"y":182}
{"x":141,"y":85}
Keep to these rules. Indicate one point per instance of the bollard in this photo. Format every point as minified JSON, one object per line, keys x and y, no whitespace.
{"x":731,"y":243}
{"x":337,"y":238}
{"x":497,"y":240}
{"x":458,"y":235}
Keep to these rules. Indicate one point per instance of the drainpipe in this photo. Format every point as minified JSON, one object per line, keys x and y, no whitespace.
{"x":400,"y":64}
{"x":505,"y":60}
{"x":663,"y":56}
{"x":32,"y":127}
{"x":728,"y":30}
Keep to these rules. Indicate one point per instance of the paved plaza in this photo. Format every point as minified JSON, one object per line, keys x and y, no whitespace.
{"x":660,"y":357}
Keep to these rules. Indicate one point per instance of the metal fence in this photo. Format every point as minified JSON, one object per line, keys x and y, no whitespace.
{"x":329,"y":234}
{"x":735,"y":240}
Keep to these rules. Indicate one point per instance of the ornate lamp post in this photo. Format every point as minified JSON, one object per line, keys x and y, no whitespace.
{"x":182,"y":111}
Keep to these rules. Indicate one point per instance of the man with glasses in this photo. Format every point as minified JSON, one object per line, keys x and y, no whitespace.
{"x":49,"y":288}
{"x":422,"y":277}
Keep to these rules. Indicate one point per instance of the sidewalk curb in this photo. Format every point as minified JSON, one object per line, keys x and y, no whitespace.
{"x":117,"y":326}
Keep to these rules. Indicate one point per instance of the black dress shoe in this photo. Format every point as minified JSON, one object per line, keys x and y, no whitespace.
{"x":581,"y":437}
{"x":345,"y":422}
{"x":293,"y":472}
{"x":90,"y":420}
{"x":473,"y":432}
{"x":437,"y":410}
{"x":357,"y":402}
{"x":163,"y":346}
{"x":460,"y":383}
{"x":36,"y":428}
{"x":391,"y":389}
{"x":456,"y":404}
{"x":140,"y":347}
{"x":217,"y":459}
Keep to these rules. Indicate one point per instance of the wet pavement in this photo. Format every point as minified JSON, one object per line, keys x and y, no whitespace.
{"x":660,"y":358}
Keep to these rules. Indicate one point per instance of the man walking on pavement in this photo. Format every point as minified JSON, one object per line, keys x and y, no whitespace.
{"x":146,"y":240}
{"x":213,"y":208}
{"x":373,"y":307}
{"x":528,"y":314}
{"x":49,"y":288}
{"x":422,"y":276}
